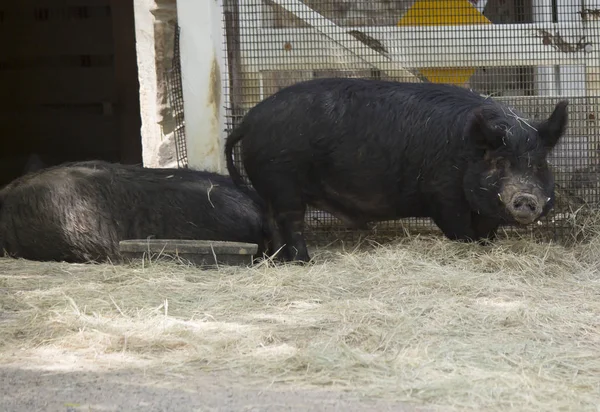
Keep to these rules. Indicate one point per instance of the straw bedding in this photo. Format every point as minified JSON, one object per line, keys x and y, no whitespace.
{"x":513,"y":326}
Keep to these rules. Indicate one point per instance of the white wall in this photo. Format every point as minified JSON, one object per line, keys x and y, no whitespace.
{"x":202,"y":65}
{"x":144,"y":33}
{"x":154,"y":28}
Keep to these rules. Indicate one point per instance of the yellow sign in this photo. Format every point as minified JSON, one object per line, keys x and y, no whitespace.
{"x":444,"y":13}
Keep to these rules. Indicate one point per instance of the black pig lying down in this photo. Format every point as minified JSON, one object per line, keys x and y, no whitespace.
{"x":367,"y":150}
{"x":78,"y":212}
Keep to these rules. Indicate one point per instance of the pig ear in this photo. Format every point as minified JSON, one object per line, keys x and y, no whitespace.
{"x":481,"y":133}
{"x":551,"y":130}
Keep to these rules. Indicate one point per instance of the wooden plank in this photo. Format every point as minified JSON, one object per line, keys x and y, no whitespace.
{"x":275,"y":81}
{"x":47,"y":130}
{"x":250,"y":94}
{"x":203,"y":253}
{"x":25,"y":4}
{"x":58,"y":86}
{"x":546,"y":79}
{"x":592,"y":78}
{"x":328,"y":29}
{"x":77,"y":37}
{"x":573,"y":150}
{"x":417,"y":47}
{"x":571,"y":78}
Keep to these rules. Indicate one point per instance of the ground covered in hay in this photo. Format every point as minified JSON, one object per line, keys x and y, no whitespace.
{"x":514,"y":326}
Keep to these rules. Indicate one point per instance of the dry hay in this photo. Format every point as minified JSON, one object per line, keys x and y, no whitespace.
{"x":514,"y":326}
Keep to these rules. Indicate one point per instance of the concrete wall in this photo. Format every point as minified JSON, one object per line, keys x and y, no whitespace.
{"x":202,"y":65}
{"x":155,"y":22}
{"x":203,"y":73}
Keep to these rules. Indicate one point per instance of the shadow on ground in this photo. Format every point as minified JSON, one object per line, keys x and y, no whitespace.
{"x":136,"y":390}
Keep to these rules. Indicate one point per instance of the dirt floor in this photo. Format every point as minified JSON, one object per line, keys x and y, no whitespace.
{"x":29,"y":391}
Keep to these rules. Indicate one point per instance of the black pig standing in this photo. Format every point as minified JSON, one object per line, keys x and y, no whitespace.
{"x":78,"y":212}
{"x":366,"y":150}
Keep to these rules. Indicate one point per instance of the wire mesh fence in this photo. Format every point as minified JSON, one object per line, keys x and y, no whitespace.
{"x":175,"y":91}
{"x":528,"y":53}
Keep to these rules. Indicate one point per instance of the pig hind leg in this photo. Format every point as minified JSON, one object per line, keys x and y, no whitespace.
{"x":289,"y":210}
{"x":291,"y":222}
{"x":276,"y":236}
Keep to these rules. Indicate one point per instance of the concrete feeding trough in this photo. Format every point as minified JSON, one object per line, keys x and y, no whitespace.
{"x":199,"y":252}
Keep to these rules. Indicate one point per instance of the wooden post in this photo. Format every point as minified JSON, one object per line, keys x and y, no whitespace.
{"x":546,"y":79}
{"x":202,"y":65}
{"x":592,"y":78}
{"x":572,"y":77}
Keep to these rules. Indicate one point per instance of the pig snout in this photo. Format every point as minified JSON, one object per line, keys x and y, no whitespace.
{"x":525,"y":208}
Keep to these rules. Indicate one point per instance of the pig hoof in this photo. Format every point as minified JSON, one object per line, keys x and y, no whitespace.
{"x":299,"y":262}
{"x":485,"y":242}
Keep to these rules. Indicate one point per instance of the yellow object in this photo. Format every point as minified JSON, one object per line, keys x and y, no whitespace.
{"x":444,"y":13}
